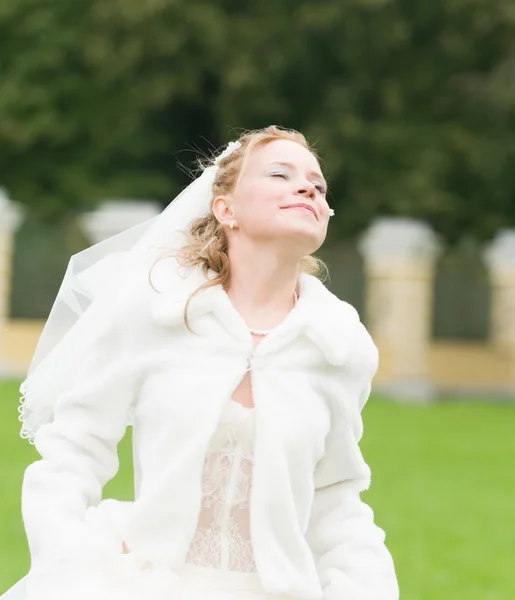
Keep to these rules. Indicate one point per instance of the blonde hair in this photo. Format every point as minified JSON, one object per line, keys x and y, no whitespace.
{"x":208,"y":246}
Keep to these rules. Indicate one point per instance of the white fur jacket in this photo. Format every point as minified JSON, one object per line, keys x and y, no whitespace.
{"x":313,"y":537}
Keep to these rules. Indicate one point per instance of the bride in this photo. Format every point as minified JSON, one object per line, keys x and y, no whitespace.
{"x":244,"y":378}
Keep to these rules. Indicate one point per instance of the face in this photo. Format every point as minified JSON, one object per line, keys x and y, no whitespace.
{"x":280,"y":196}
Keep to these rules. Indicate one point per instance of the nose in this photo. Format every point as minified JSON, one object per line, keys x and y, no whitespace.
{"x":307,"y":189}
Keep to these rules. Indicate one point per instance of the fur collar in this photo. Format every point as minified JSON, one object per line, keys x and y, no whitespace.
{"x":332,"y":324}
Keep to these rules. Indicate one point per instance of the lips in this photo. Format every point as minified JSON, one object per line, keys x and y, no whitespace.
{"x":305,"y":206}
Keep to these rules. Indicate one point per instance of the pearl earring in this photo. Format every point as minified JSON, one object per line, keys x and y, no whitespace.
{"x":232,"y":225}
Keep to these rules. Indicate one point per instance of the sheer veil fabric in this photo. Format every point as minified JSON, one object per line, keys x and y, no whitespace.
{"x":95,"y":280}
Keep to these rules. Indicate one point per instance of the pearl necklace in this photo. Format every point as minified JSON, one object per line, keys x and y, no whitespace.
{"x":267,"y":331}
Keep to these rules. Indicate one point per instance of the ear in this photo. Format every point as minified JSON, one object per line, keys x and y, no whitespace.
{"x":222,"y":210}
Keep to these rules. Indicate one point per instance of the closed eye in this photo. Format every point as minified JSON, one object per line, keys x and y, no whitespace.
{"x":319,"y":186}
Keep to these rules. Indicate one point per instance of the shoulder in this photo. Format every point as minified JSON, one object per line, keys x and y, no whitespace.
{"x":338,"y":329}
{"x":364,"y":356}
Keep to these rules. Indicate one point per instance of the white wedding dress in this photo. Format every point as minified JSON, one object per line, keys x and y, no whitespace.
{"x":220,"y":562}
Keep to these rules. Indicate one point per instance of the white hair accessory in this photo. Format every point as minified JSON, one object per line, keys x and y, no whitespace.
{"x":231,"y":147}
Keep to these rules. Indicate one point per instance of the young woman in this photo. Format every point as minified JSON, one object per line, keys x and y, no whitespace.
{"x":244,"y":379}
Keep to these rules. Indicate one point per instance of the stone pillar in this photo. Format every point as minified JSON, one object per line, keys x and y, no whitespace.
{"x":500,"y":258}
{"x":400,"y":256}
{"x":115,"y":216}
{"x":11,"y":216}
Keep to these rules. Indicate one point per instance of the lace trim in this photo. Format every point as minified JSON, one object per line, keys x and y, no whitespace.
{"x":25,"y":433}
{"x":222,"y":539}
{"x":205,"y":549}
{"x":31,"y":420}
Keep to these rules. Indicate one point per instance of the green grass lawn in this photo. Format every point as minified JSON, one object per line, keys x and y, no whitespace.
{"x":443,"y":488}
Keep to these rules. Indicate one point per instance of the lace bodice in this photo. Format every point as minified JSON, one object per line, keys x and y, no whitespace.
{"x":222,"y":539}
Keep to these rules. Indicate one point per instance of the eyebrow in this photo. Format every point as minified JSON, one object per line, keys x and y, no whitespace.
{"x":291,"y":166}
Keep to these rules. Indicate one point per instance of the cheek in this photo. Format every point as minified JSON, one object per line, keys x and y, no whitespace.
{"x":261,"y":206}
{"x":324,"y":207}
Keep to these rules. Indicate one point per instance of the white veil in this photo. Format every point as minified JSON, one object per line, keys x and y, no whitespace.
{"x":87,"y":296}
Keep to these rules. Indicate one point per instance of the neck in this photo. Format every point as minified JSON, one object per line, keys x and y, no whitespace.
{"x":262,"y":286}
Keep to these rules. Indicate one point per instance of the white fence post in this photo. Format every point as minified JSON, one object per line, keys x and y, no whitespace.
{"x":500,"y":258}
{"x":115,"y":216}
{"x":11,"y":217}
{"x":400,"y":256}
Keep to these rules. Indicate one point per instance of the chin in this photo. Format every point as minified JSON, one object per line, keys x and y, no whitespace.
{"x":307,"y":241}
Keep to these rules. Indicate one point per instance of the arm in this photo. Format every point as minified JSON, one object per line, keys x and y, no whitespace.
{"x":352,"y":560}
{"x":78,"y":454}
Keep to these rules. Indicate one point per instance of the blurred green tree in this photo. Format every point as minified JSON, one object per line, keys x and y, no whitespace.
{"x":82,"y":87}
{"x":412,"y":103}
